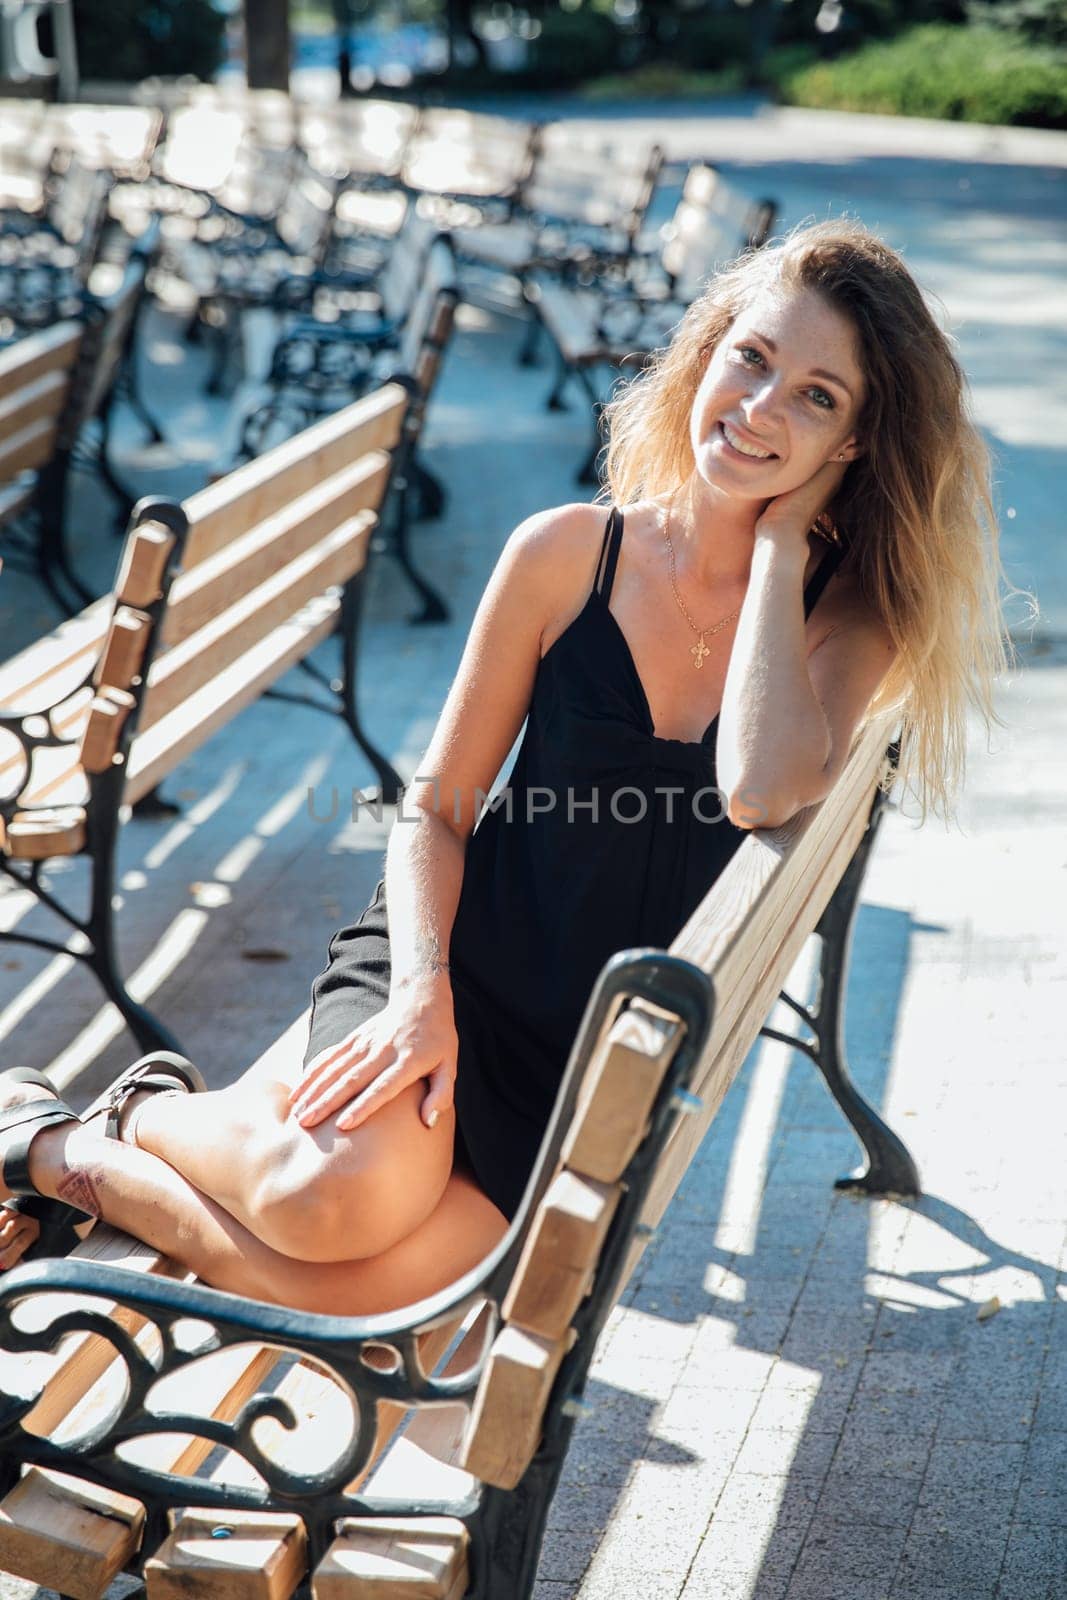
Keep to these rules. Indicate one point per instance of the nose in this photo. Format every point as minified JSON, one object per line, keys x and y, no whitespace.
{"x":761,"y":402}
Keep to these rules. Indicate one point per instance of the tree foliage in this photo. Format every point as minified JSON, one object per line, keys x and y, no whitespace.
{"x":126,"y":40}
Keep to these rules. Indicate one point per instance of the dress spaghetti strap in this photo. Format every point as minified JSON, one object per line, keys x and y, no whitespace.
{"x":612,"y":543}
{"x":609,"y":555}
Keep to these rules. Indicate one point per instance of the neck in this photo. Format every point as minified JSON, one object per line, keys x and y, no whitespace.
{"x":725,"y":556}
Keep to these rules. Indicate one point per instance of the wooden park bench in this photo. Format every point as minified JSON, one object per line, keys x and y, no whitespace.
{"x":396,"y":321}
{"x":228,"y":1448}
{"x":53,"y":385}
{"x":215,"y":599}
{"x":615,"y":321}
{"x":581,"y":203}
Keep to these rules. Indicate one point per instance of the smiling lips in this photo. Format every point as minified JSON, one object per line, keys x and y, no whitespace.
{"x":736,"y":442}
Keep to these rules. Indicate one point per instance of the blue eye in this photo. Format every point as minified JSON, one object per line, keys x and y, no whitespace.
{"x":749,"y":350}
{"x":825,"y":402}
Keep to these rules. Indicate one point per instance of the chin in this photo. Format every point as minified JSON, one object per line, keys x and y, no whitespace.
{"x":738,"y":484}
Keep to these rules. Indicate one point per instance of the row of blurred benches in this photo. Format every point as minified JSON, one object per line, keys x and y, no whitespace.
{"x":332,"y":219}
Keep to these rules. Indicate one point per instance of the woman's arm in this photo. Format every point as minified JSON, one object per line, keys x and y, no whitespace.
{"x":534,"y":582}
{"x":788,"y":718}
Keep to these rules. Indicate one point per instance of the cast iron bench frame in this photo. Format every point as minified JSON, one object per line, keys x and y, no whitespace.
{"x":662,"y":1038}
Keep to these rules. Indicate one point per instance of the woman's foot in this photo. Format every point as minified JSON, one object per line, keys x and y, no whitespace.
{"x":34,"y":1126}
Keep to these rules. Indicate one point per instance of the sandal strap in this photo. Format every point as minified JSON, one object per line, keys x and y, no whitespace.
{"x":122,"y":1089}
{"x":38,"y":1116}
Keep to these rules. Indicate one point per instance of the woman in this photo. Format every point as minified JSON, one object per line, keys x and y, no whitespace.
{"x":803,"y":439}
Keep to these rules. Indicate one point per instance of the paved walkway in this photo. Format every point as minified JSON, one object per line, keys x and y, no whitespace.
{"x":797,"y":1401}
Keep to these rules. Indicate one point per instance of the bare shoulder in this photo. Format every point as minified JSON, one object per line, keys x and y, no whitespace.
{"x":845,"y":612}
{"x":554,"y":553}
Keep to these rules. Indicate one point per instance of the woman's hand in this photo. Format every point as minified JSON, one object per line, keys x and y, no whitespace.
{"x":792,"y":515}
{"x":413,"y":1037}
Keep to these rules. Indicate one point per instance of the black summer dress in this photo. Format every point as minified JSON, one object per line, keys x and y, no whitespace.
{"x":604,"y":837}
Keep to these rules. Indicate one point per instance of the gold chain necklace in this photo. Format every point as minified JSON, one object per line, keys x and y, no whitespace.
{"x":699,"y":650}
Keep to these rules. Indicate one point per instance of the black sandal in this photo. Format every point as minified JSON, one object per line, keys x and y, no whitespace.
{"x":31,"y":1117}
{"x":161,"y":1072}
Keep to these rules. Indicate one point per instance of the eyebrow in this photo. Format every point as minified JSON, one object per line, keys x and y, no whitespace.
{"x":815,"y":372}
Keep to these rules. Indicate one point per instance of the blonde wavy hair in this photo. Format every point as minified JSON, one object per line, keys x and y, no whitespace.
{"x":914,"y":513}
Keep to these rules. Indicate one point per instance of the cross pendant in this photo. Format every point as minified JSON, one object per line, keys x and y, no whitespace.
{"x":699,"y":651}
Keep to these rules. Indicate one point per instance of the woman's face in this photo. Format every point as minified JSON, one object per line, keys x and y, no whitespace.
{"x":780,"y":396}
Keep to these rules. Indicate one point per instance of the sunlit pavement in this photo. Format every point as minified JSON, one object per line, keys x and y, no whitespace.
{"x":797,"y":1401}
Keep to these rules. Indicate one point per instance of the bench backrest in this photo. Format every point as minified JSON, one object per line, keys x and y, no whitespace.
{"x":369,"y":136}
{"x":120,"y":139}
{"x":35,"y":381}
{"x":712,"y":224}
{"x":215,"y":599}
{"x":76,"y":204}
{"x":305,"y":217}
{"x":467,"y":153}
{"x":428,"y":323}
{"x":110,"y":323}
{"x":399,"y":280}
{"x":592,"y":184}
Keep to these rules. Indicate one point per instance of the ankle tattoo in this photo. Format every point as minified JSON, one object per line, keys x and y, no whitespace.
{"x":77,"y":1188}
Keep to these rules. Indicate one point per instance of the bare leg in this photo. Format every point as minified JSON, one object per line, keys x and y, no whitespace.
{"x":146,"y":1197}
{"x":311,"y":1193}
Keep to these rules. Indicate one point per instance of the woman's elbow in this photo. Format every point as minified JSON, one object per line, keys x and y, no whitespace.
{"x":756,"y":807}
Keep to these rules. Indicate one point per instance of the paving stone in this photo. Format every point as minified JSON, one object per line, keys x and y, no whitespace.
{"x":867,"y":1448}
{"x":877,"y":1501}
{"x":1034,"y":1564}
{"x":967,"y":1561}
{"x":775,"y":1451}
{"x":841,"y":1560}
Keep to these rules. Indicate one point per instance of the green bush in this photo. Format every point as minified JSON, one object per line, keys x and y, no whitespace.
{"x":713,"y":39}
{"x":573,"y":46}
{"x":960,"y":74}
{"x":664,"y":80}
{"x":122,"y":41}
{"x":1044,"y":21}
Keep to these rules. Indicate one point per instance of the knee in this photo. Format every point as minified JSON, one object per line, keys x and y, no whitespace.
{"x":340,"y":1204}
{"x":310,"y":1212}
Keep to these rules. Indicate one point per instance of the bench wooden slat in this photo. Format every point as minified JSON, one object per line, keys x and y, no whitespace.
{"x":251,"y":557}
{"x":263,"y":1558}
{"x":67,"y":1535}
{"x":52,"y":350}
{"x":507,"y":1418}
{"x":225,"y":510}
{"x":41,"y":398}
{"x":144,"y":563}
{"x":618,"y":1092}
{"x":124,"y":650}
{"x":180,"y":672}
{"x":103,"y":729}
{"x":560,"y":1254}
{"x":40,"y":835}
{"x":16,"y":498}
{"x":394,"y":1558}
{"x":29,"y":448}
{"x":69,"y":649}
{"x":155,"y":754}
